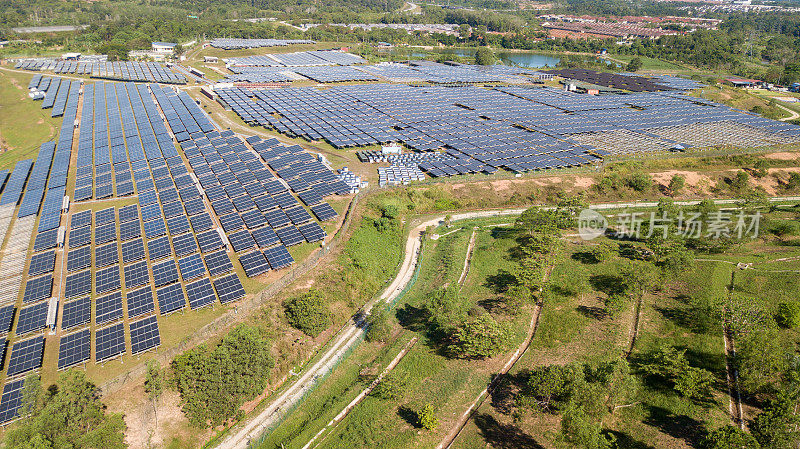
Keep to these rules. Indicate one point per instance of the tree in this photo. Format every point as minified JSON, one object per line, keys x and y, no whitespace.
{"x":579,"y":429}
{"x":393,"y":386}
{"x":613,"y":304}
{"x":604,"y":250}
{"x":788,"y":315}
{"x":215,"y":382}
{"x":634,"y":65}
{"x":426,"y":417}
{"x":481,"y":337}
{"x":729,"y":437}
{"x":640,"y":277}
{"x":760,"y":358}
{"x":154,"y":384}
{"x":551,"y":386}
{"x":484,"y":56}
{"x":777,"y":425}
{"x":741,"y":181}
{"x":69,"y":415}
{"x":672,"y":366}
{"x":308,"y":312}
{"x":676,"y":183}
{"x":378,"y":327}
{"x":640,"y":182}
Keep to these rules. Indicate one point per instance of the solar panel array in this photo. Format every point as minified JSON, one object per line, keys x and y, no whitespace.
{"x":237,"y":44}
{"x":298,"y":59}
{"x":118,"y":71}
{"x":481,"y":130}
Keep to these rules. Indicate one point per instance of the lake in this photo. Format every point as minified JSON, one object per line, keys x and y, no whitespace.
{"x":520,"y":59}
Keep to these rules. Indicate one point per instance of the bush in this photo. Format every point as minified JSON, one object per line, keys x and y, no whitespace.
{"x":379,"y":327}
{"x":634,"y":65}
{"x":426,"y":418}
{"x":677,"y":183}
{"x":214,"y":384}
{"x":308,"y":313}
{"x":640,"y":182}
{"x":788,"y":315}
{"x":481,"y":337}
{"x":392,"y":386}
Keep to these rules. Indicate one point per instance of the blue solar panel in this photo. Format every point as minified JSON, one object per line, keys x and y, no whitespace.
{"x":76,"y":313}
{"x":144,"y":335}
{"x":229,"y":288}
{"x":140,"y":302}
{"x":74,"y":348}
{"x":170,"y":299}
{"x":109,"y":342}
{"x":192,"y":267}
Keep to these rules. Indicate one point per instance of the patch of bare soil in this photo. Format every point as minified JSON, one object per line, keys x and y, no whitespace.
{"x":784,"y":156}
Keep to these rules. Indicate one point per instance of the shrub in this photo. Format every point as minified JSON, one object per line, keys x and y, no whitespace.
{"x":788,"y":315}
{"x":308,"y":313}
{"x":640,"y":182}
{"x":426,"y":417}
{"x":379,"y":327}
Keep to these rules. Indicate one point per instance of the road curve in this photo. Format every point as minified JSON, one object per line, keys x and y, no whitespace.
{"x":353,"y":331}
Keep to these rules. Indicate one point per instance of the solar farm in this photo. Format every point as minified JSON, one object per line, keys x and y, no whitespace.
{"x":166,"y":213}
{"x":472,"y":129}
{"x":152,"y":72}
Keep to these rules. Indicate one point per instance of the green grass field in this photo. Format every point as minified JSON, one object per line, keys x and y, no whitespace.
{"x":24,"y":125}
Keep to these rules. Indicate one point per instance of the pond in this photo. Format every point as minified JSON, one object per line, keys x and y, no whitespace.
{"x":520,"y":59}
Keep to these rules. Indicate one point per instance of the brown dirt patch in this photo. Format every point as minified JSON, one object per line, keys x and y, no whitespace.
{"x":500,"y":185}
{"x":784,"y":156}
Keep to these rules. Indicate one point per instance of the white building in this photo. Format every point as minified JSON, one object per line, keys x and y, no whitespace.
{"x":164,"y":47}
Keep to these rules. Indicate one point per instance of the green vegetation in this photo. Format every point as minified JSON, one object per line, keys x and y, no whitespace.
{"x":68,"y":414}
{"x":308,"y":313}
{"x":214,"y":383}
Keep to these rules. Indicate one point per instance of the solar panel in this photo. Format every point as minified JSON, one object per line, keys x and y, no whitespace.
{"x":290,"y":235}
{"x":324,"y":212}
{"x":80,"y":219}
{"x":178,"y":224}
{"x":170,"y":299}
{"x":109,"y":342}
{"x":184,"y":244}
{"x":241,"y":241}
{"x":265,"y":237}
{"x":74,"y":348}
{"x":132,"y":251}
{"x":165,"y":272}
{"x":128,"y":213}
{"x":201,"y":222}
{"x":80,"y":258}
{"x":218,"y":263}
{"x":194,"y":206}
{"x":38,"y":288}
{"x":200,"y":293}
{"x":278,"y":257}
{"x":298,"y":215}
{"x":277,"y":218}
{"x":106,"y":255}
{"x":191,"y":267}
{"x":210,"y":241}
{"x":130,"y":230}
{"x":312,"y":232}
{"x":48,"y":239}
{"x":11,"y":401}
{"x":144,"y":335}
{"x":6,"y":318}
{"x":32,"y":318}
{"x":154,"y":228}
{"x":76,"y":313}
{"x":231,"y":222}
{"x":140,"y":302}
{"x":173,"y":209}
{"x":107,"y":279}
{"x":80,"y":236}
{"x":108,"y":308}
{"x":229,"y":288}
{"x":104,"y":216}
{"x":137,"y":274}
{"x":254,"y":219}
{"x":42,"y":263}
{"x":159,"y":248}
{"x":151,"y":211}
{"x":105,"y":233}
{"x":26,"y":356}
{"x":254,"y":263}
{"x":78,"y":284}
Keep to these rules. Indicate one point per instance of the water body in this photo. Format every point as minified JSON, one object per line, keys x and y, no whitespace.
{"x":518,"y":59}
